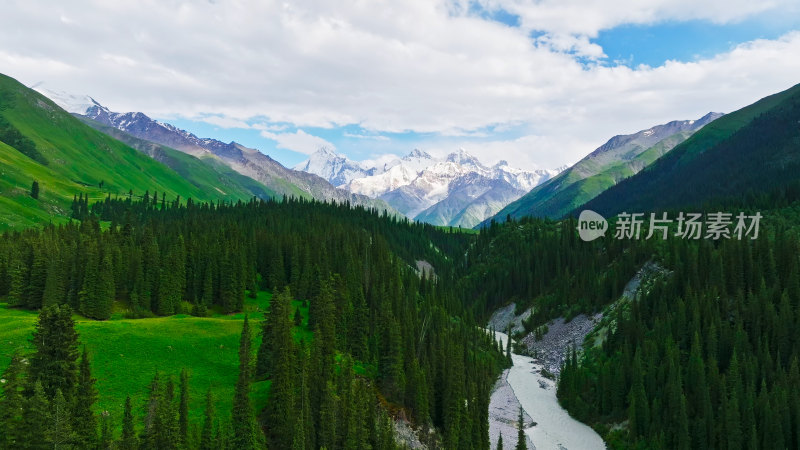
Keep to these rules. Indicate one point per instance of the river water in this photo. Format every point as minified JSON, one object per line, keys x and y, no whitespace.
{"x":555,"y":428}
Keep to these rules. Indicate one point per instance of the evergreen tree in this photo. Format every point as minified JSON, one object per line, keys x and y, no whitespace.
{"x":55,"y":351}
{"x":128,"y":441}
{"x":85,"y":423}
{"x":500,"y":442}
{"x":35,"y":420}
{"x":521,"y":440}
{"x":207,"y":440}
{"x":35,"y":190}
{"x":12,"y":403}
{"x":59,"y":432}
{"x":183,"y":407}
{"x":244,"y":427}
{"x":282,"y":372}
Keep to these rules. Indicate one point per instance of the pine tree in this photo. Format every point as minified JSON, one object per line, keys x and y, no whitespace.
{"x":282,"y":372}
{"x":35,"y":190}
{"x":12,"y":403}
{"x":35,"y":420}
{"x":59,"y":432}
{"x":244,"y":426}
{"x":84,"y":419}
{"x":55,"y":351}
{"x":500,"y":442}
{"x":149,"y":432}
{"x":128,"y":441}
{"x":183,"y":407}
{"x":166,"y":419}
{"x":207,"y":441}
{"x":521,"y":443}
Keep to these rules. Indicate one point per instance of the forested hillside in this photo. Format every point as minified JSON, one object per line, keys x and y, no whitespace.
{"x":416,"y":350}
{"x":707,"y":356}
{"x":749,"y":154}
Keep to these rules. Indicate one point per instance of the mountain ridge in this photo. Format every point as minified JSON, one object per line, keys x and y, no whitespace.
{"x":618,"y":158}
{"x":425,"y":188}
{"x":246,"y":161}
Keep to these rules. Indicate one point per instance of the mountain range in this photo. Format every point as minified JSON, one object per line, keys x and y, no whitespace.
{"x":750,"y":157}
{"x":245,"y":161}
{"x":620,"y":157}
{"x":457,"y":190}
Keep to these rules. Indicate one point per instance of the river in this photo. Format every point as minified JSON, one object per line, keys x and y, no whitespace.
{"x":555,"y":428}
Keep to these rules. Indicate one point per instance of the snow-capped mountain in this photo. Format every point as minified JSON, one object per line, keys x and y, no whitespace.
{"x":71,"y":103}
{"x":455,"y":190}
{"x":246,"y":161}
{"x":335,"y":168}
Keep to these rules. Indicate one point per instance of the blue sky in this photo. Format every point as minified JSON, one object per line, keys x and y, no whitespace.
{"x":537,"y":83}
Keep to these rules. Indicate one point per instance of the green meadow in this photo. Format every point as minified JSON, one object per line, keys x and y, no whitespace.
{"x":126,"y":353}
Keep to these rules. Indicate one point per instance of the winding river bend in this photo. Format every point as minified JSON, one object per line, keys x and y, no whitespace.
{"x":555,"y":428}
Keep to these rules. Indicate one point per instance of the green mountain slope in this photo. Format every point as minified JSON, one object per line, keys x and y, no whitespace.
{"x":202,"y":172}
{"x":738,"y":158}
{"x":619,"y":158}
{"x":67,"y":157}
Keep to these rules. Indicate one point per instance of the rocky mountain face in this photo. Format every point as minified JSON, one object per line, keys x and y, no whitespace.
{"x":246,"y":161}
{"x":620,"y":157}
{"x":457,"y":190}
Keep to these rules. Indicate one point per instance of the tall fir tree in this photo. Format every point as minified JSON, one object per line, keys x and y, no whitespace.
{"x":55,"y":351}
{"x":521,"y":439}
{"x":243,"y":421}
{"x":85,"y":422}
{"x":12,"y":403}
{"x":128,"y":440}
{"x":35,"y":420}
{"x":183,"y":407}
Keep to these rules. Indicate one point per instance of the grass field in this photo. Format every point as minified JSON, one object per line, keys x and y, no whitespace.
{"x":126,"y":353}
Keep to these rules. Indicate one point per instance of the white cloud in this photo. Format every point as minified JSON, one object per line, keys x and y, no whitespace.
{"x":226,"y":122}
{"x":418,"y":65}
{"x":376,"y":137}
{"x":588,"y":17}
{"x":299,"y":141}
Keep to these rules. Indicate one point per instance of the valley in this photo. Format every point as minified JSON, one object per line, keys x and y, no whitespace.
{"x":161,"y":290}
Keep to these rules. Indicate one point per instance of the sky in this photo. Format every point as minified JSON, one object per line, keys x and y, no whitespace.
{"x":539,"y":83}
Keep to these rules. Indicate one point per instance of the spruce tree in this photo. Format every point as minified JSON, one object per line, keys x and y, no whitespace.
{"x":500,"y":442}
{"x":85,"y":423}
{"x":521,"y":443}
{"x":35,"y":420}
{"x":55,"y":351}
{"x":207,"y":441}
{"x":243,"y":422}
{"x":128,"y":441}
{"x":59,"y":432}
{"x":12,"y":403}
{"x":183,"y":407}
{"x":35,"y":190}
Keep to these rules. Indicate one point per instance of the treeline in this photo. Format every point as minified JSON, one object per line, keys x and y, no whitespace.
{"x":366,"y":303}
{"x":544,"y":263}
{"x":708,"y":357}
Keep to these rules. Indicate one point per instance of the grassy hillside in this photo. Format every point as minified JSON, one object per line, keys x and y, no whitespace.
{"x":572,"y":188}
{"x":738,"y":157}
{"x":126,"y":353}
{"x":204,"y":173}
{"x":71,"y":158}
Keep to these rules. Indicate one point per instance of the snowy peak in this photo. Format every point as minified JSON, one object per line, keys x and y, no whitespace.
{"x":71,"y":103}
{"x":455,"y":190}
{"x":336,"y":168}
{"x":461,"y":157}
{"x":416,"y":154}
